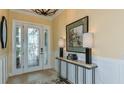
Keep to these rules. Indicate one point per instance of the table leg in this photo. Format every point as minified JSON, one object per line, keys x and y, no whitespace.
{"x":84,"y":76}
{"x":59,"y":68}
{"x":93,"y":76}
{"x":76,"y":74}
{"x":66,"y":71}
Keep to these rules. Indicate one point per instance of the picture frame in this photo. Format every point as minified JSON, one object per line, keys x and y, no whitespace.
{"x":3,"y":32}
{"x":74,"y":35}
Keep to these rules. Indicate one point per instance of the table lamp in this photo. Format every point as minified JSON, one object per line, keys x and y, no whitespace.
{"x":88,"y":44}
{"x":61,"y":45}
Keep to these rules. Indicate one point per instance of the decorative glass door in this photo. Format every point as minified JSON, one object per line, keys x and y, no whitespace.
{"x":28,"y":48}
{"x":33,"y":47}
{"x":33,"y":55}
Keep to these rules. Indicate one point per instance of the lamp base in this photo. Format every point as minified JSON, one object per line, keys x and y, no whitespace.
{"x":88,"y":56}
{"x":61,"y":52}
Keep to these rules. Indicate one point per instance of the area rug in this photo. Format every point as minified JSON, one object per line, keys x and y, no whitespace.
{"x":55,"y":81}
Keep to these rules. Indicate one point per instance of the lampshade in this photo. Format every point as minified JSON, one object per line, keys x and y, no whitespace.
{"x":88,"y":40}
{"x":61,"y":43}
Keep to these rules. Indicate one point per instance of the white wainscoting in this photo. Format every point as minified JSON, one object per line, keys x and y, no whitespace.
{"x":3,"y":69}
{"x":109,"y":71}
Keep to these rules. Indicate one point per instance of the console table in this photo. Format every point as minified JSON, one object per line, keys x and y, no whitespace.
{"x":77,"y":64}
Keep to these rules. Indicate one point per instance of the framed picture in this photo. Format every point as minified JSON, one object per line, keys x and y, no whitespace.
{"x":3,"y":32}
{"x":74,"y":35}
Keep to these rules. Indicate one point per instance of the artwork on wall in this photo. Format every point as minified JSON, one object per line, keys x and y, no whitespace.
{"x":74,"y":35}
{"x":3,"y":32}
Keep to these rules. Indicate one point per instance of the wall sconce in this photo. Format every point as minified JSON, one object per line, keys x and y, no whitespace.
{"x":88,"y":44}
{"x":61,"y":45}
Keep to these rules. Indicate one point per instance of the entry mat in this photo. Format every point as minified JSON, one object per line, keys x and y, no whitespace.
{"x":55,"y":81}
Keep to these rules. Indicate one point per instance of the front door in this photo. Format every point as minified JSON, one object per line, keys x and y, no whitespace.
{"x":28,"y":46}
{"x":33,"y":48}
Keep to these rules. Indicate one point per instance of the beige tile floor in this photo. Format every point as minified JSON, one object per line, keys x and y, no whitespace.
{"x":37,"y":77}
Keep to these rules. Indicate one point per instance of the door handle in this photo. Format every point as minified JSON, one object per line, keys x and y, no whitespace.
{"x":41,"y":50}
{"x":41,"y":53}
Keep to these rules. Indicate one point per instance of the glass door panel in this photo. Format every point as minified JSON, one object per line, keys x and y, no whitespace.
{"x":33,"y":47}
{"x":46,"y":47}
{"x":18,"y":47}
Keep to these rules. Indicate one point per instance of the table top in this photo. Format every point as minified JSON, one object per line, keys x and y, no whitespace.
{"x":78,"y":63}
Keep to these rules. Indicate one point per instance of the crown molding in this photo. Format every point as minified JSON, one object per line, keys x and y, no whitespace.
{"x":58,"y":13}
{"x":29,"y":13}
{"x":40,"y":16}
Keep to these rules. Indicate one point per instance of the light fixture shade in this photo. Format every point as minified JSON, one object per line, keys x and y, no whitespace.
{"x":88,"y":40}
{"x":61,"y":43}
{"x":45,"y":12}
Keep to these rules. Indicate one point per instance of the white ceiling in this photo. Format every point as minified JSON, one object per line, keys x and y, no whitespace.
{"x":30,"y":12}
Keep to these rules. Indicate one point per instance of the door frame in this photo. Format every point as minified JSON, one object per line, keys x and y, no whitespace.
{"x":14,"y":22}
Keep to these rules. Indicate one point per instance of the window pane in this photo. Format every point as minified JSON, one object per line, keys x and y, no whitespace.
{"x":18,"y":47}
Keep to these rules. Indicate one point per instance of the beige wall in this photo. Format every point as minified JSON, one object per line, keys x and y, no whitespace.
{"x":3,"y":13}
{"x":107,"y":25}
{"x":27,"y":18}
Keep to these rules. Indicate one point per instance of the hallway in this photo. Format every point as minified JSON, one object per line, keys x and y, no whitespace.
{"x":48,"y":76}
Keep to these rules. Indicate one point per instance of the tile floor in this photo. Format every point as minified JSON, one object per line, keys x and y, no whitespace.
{"x":37,"y":77}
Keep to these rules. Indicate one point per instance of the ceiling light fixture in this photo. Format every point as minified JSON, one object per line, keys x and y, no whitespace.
{"x":45,"y":12}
